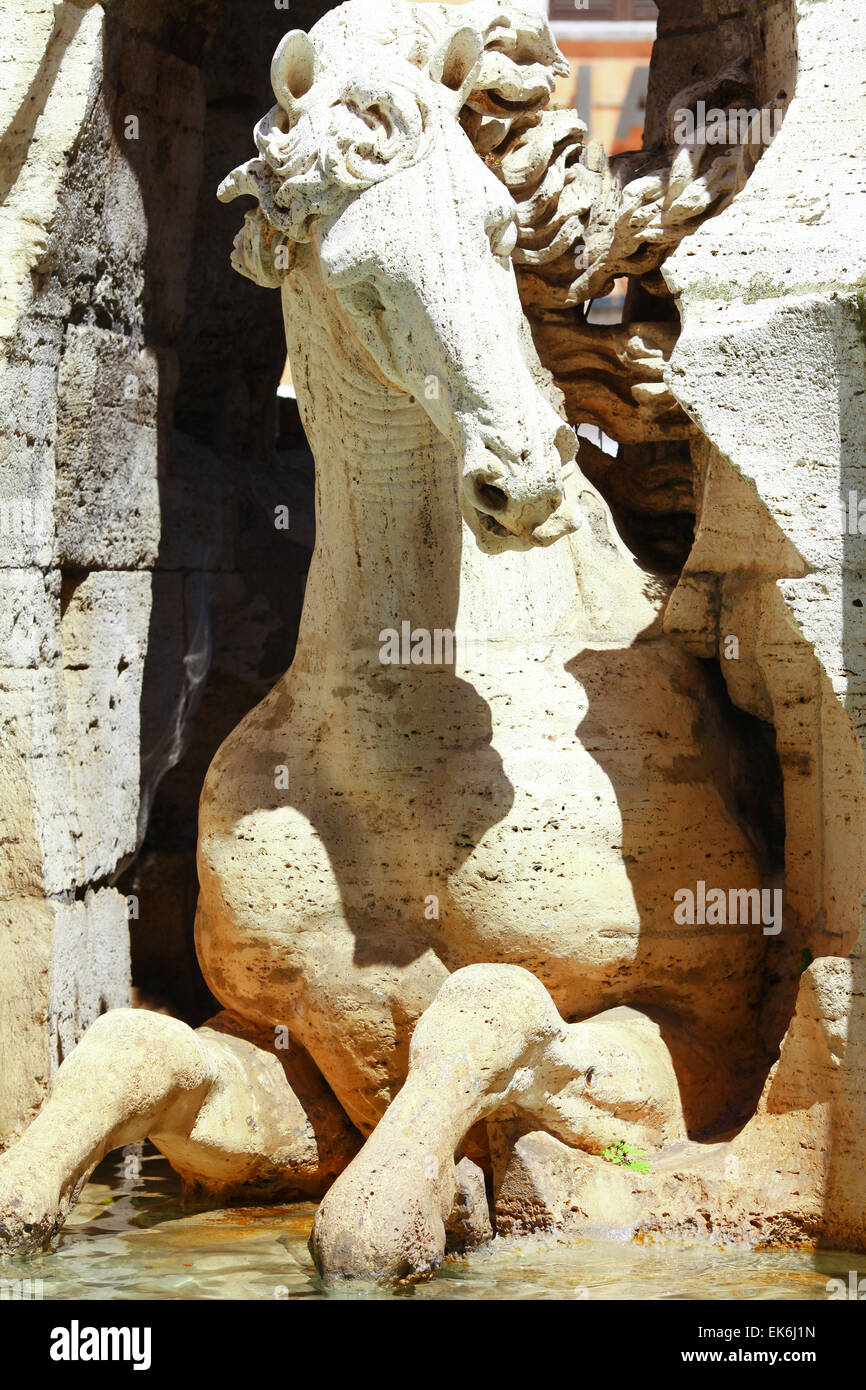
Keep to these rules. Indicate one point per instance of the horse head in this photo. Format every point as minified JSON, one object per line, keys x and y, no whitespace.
{"x":364,"y":161}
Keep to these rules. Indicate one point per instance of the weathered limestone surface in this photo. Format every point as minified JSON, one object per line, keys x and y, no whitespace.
{"x":771,"y":365}
{"x":584,"y":220}
{"x":551,"y":1005}
{"x":551,"y":851}
{"x":139,"y":562}
{"x":74,"y":455}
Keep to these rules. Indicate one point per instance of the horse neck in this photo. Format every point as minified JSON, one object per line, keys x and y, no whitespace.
{"x":391,"y":543}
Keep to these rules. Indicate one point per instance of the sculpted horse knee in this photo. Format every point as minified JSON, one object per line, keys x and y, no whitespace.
{"x":491,"y":840}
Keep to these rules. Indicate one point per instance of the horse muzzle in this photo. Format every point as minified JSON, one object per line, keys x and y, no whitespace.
{"x":514,"y":511}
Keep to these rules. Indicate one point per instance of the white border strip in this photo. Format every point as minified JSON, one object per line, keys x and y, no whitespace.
{"x":625,"y":31}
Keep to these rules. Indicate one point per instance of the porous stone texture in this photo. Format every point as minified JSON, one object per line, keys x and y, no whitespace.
{"x":770,"y":365}
{"x":344,"y":871}
{"x":452,"y":882}
{"x":106,"y":491}
{"x":63,"y":963}
{"x":132,"y":552}
{"x":379,"y":836}
{"x":585,"y":218}
{"x":749,"y":583}
{"x":80,"y":524}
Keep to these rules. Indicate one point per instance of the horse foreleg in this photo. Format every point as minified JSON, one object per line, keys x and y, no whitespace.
{"x":215,"y":1102}
{"x":491,"y":1041}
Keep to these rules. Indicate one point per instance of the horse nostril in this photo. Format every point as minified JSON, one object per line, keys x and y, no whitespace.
{"x":492,"y":496}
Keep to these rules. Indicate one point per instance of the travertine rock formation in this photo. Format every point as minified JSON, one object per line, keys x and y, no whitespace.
{"x":76,"y":599}
{"x":148,"y":599}
{"x":461,"y":874}
{"x":772,"y":296}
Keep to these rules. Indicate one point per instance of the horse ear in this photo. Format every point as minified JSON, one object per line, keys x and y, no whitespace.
{"x":293,"y":70}
{"x":455,"y":63}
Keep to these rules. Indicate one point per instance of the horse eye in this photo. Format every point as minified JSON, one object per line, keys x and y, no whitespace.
{"x":361,"y":299}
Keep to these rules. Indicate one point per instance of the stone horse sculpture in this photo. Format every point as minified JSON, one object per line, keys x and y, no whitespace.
{"x":451,"y":881}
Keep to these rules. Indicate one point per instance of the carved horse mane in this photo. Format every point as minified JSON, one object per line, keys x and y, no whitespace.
{"x":343,"y":121}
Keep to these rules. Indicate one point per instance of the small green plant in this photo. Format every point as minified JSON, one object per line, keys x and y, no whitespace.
{"x":626,"y":1156}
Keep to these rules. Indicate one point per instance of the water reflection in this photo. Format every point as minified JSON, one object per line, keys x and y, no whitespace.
{"x":131,"y":1238}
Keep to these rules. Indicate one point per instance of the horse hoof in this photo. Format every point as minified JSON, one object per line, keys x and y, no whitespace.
{"x":28,"y":1219}
{"x":372,"y":1227}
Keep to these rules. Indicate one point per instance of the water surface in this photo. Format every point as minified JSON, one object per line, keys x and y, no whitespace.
{"x":132,"y":1238}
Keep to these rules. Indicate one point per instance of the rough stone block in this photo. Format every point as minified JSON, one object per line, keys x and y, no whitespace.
{"x":107,"y":447}
{"x":62,"y":964}
{"x":104,"y":631}
{"x":26,"y":926}
{"x":29,"y":613}
{"x":90,"y":965}
{"x":38,"y":815}
{"x":26,"y":463}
